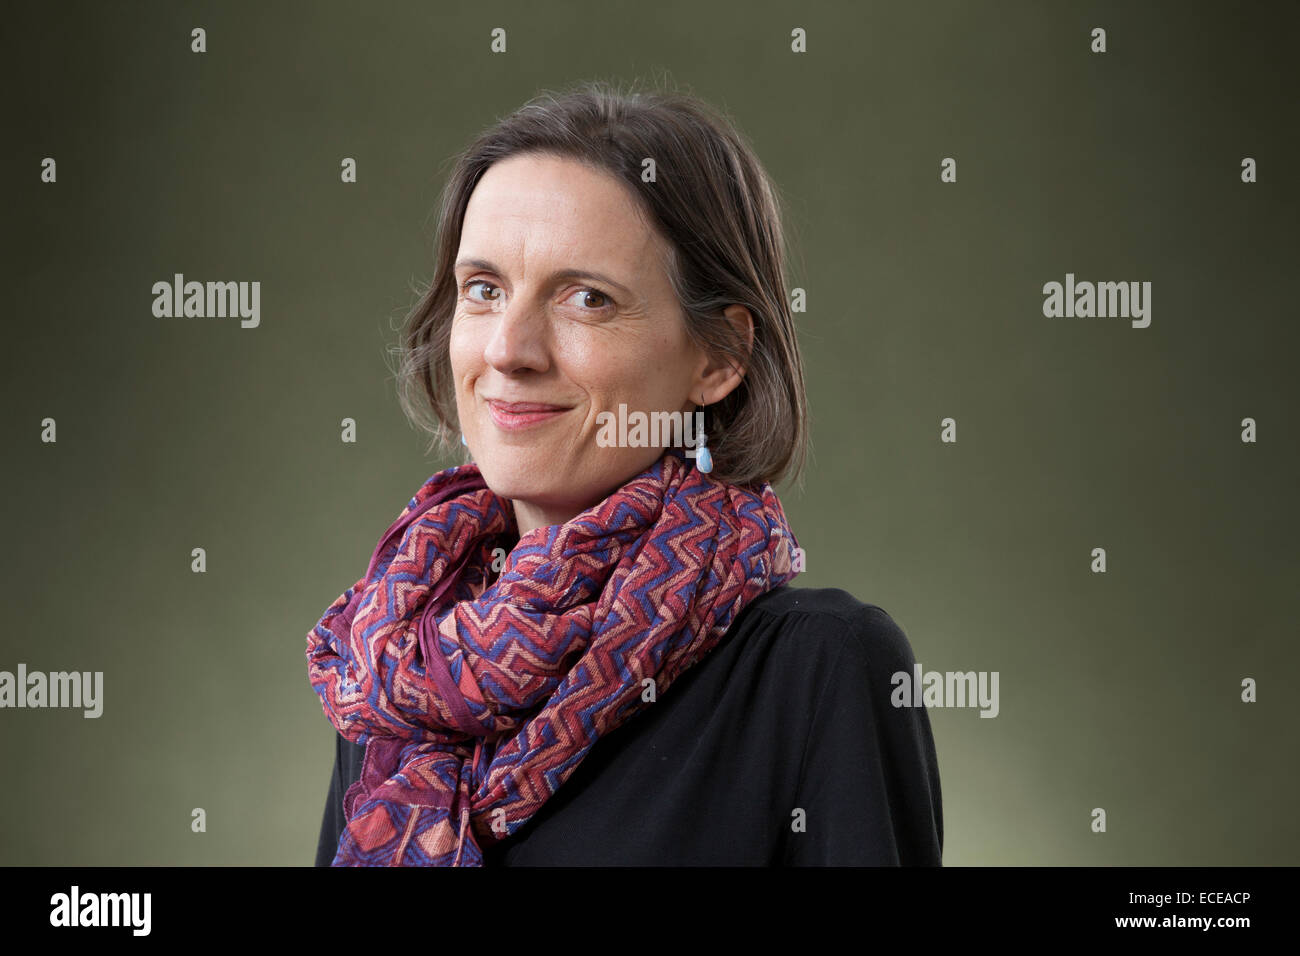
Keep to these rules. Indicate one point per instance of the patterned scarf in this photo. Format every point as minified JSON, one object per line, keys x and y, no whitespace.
{"x":477,"y":698}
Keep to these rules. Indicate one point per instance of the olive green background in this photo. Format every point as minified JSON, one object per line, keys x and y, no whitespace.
{"x":1118,"y":690}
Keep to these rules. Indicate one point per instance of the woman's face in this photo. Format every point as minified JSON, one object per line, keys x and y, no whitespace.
{"x":563,"y":302}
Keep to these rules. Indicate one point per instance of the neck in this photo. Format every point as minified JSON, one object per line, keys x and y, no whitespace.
{"x":529,"y":516}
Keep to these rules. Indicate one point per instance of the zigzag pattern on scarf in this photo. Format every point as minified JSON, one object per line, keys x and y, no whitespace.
{"x":477,"y":698}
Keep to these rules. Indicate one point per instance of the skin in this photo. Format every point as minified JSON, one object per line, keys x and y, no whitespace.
{"x":521,"y":334}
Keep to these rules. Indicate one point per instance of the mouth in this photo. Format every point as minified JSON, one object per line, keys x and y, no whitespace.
{"x":512,"y":416}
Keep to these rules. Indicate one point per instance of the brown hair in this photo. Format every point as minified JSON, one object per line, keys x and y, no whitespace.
{"x":720,"y":215}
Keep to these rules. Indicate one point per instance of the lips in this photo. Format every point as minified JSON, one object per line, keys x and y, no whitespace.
{"x":516,"y":408}
{"x":513,"y":416}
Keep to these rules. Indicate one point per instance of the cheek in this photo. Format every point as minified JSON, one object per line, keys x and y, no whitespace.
{"x":626,"y":364}
{"x":461,"y":351}
{"x":658,"y":374}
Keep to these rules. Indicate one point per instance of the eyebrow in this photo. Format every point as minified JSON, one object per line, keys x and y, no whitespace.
{"x":554,"y":276}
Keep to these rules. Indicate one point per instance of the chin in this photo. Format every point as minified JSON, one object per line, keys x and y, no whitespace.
{"x":513,"y":475}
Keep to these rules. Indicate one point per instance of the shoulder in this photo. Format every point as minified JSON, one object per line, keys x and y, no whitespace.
{"x":867,"y":782}
{"x":830,"y":623}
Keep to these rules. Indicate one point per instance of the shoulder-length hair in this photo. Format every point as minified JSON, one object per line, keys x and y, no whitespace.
{"x":712,"y":201}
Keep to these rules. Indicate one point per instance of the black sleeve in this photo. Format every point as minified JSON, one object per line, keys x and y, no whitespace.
{"x":869,"y":784}
{"x":332,"y":823}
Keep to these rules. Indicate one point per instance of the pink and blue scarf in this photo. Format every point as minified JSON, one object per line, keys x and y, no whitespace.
{"x":478,"y":693}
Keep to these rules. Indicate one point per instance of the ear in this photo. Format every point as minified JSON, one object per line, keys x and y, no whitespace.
{"x":717,"y":376}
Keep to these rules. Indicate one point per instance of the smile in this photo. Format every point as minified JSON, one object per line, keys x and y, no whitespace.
{"x":513,"y":416}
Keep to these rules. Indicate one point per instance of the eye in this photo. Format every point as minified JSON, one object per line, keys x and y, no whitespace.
{"x":473,"y":282}
{"x":585,"y":294}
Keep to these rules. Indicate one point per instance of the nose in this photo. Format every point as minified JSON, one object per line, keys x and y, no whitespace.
{"x":520,"y":338}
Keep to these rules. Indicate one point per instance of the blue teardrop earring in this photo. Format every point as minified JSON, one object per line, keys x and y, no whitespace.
{"x":703,"y":460}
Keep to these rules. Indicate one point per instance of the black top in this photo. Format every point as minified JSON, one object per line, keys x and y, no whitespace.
{"x":790,"y":711}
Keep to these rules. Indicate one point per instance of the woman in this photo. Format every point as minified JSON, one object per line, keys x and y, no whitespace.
{"x":581,"y":647}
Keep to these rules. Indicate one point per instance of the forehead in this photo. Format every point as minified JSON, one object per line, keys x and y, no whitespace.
{"x":542,"y":207}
